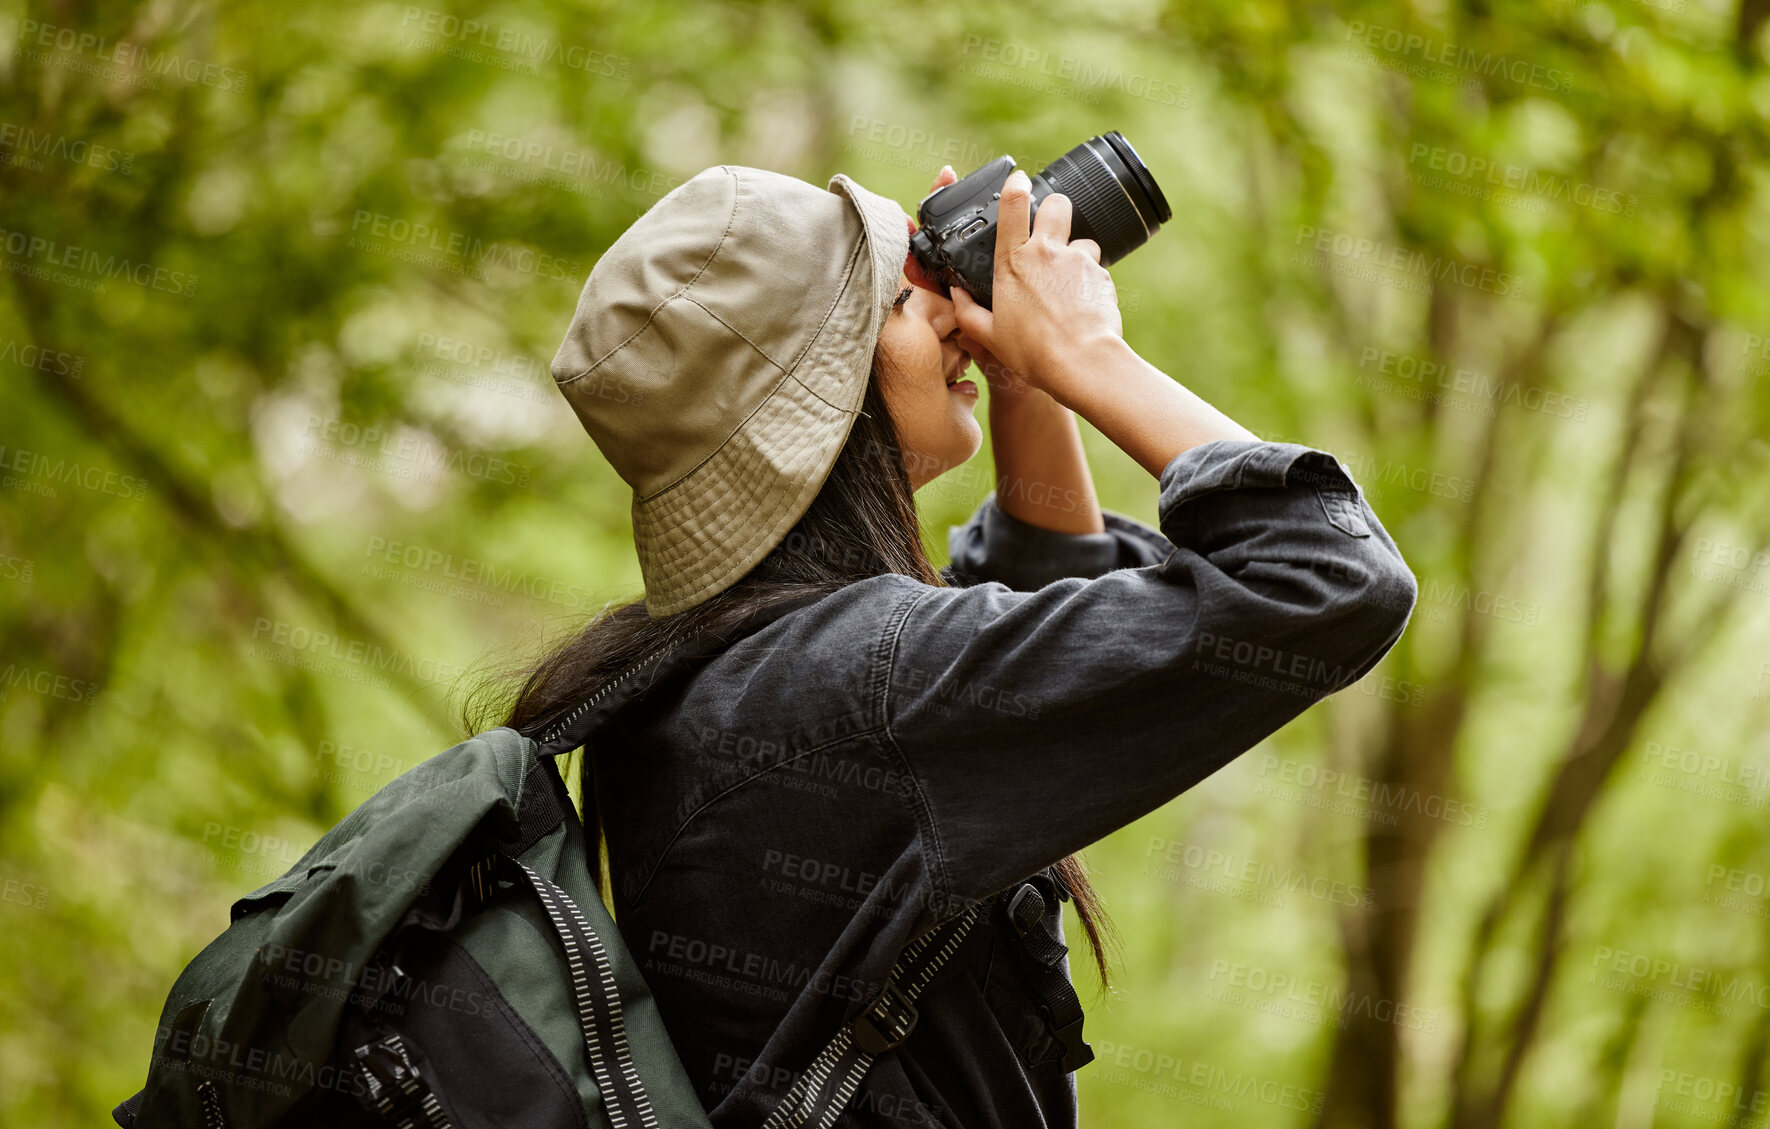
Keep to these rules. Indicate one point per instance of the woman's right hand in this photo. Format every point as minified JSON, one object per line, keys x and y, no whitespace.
{"x":1052,"y":300}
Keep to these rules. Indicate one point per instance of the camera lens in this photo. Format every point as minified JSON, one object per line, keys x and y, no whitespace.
{"x":1117,"y":203}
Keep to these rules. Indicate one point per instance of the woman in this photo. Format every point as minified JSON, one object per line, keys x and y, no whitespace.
{"x":885,"y":743}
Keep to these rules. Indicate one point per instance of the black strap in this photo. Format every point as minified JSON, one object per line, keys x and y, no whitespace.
{"x":571,"y":731}
{"x":1041,"y":958}
{"x":824,"y":1089}
{"x":599,"y":1004}
{"x":542,"y":807}
{"x":394,"y":1087}
{"x":210,"y":1099}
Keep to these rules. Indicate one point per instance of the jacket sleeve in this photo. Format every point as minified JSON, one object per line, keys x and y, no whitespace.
{"x":994,"y":545}
{"x":1037,"y":722}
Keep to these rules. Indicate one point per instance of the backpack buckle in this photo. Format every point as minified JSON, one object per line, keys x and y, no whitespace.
{"x":392,"y":1084}
{"x":886,"y":1021}
{"x":1042,"y":954}
{"x":1024,"y":913}
{"x":1076,"y":1052}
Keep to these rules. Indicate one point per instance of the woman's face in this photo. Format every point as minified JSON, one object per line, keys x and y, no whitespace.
{"x":920,"y":366}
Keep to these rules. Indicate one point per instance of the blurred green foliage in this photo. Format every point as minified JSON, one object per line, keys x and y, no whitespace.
{"x":283,"y":470}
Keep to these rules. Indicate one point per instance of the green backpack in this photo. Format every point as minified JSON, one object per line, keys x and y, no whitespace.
{"x":442,"y":958}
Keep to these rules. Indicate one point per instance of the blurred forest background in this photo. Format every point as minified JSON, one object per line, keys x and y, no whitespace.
{"x":284,"y":469}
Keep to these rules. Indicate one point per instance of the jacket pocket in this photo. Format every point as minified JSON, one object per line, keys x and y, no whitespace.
{"x":1343,"y":510}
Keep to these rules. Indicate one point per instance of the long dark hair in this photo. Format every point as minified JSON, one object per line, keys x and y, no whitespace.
{"x":862,"y":523}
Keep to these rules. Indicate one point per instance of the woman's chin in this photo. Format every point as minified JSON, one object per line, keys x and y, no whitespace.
{"x":970,"y":436}
{"x":965,"y":441}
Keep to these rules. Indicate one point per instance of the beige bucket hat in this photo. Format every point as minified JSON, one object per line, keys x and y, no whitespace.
{"x":718,"y":357}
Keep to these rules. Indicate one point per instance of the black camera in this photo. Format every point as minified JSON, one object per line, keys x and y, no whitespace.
{"x":1116,"y":204}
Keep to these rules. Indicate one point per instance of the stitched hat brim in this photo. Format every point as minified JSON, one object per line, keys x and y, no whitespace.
{"x":705,"y":531}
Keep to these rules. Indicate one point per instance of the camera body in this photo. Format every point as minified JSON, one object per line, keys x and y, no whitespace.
{"x":1115,"y":200}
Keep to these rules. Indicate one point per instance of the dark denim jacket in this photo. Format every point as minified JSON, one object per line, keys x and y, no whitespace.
{"x":784,"y":821}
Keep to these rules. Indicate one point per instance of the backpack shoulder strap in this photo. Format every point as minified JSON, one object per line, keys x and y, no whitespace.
{"x":823,"y":1089}
{"x":574,"y":728}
